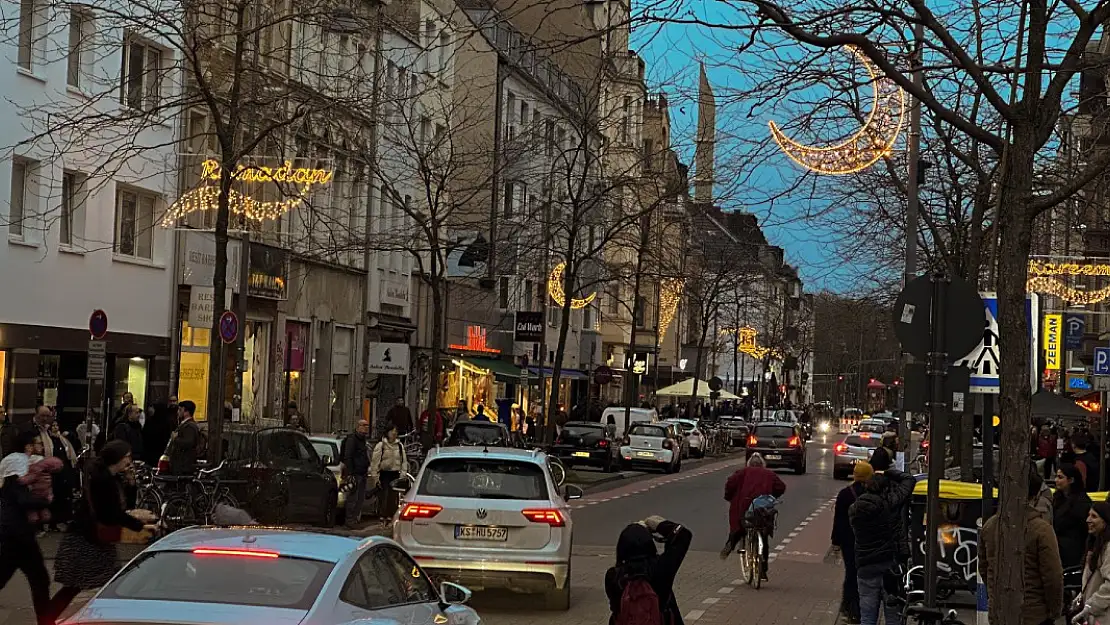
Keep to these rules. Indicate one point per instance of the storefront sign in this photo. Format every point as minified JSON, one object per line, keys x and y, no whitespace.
{"x":388,"y":358}
{"x":341,"y":351}
{"x":639,"y":364}
{"x":268,"y":275}
{"x":529,"y":327}
{"x":296,"y":340}
{"x":202,"y":302}
{"x":192,"y":381}
{"x":1075,"y":326}
{"x":475,"y":342}
{"x":198,"y":262}
{"x":395,"y":291}
{"x":1052,"y":328}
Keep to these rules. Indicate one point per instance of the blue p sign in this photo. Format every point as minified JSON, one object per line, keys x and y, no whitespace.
{"x":1102,"y":361}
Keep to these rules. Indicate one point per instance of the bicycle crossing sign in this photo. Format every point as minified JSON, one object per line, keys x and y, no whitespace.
{"x":985,"y":358}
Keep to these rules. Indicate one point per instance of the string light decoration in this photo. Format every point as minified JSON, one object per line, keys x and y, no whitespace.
{"x":746,"y":343}
{"x":1052,"y":286}
{"x":206,"y":197}
{"x":555,"y":290}
{"x":670,"y":294}
{"x":1038,"y":268}
{"x":873,"y":141}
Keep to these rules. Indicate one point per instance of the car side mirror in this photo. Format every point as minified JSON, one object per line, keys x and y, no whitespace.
{"x":402,"y":484}
{"x":572,"y":492}
{"x":454,"y":594}
{"x":326,"y":461}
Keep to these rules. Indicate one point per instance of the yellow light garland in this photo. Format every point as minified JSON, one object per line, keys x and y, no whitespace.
{"x":206,"y":198}
{"x":873,"y":141}
{"x":1052,"y":286}
{"x":670,"y":294}
{"x":555,"y":290}
{"x":1038,"y":268}
{"x":746,"y":343}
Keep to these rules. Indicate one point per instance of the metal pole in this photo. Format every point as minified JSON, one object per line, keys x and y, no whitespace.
{"x":988,"y":455}
{"x":244,"y":294}
{"x":938,"y":411}
{"x":1102,"y":447}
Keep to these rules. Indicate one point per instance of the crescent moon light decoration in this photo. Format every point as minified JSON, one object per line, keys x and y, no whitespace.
{"x":874,"y":140}
{"x":555,"y":290}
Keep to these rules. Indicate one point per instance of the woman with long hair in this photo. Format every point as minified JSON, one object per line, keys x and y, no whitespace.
{"x":1096,"y":572}
{"x":638,"y":562}
{"x":87,"y":557}
{"x":1070,"y":506}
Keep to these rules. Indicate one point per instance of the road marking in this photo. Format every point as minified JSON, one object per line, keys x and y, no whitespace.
{"x":737,"y":582}
{"x":793,"y":534}
{"x":694,"y":615}
{"x":724,"y":590}
{"x":710,"y":600}
{"x":780,"y":547}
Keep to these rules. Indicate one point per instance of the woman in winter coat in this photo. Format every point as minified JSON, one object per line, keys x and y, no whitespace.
{"x":1096,"y":571}
{"x":1070,"y":506}
{"x":87,"y":556}
{"x":638,"y":559}
{"x":387,"y":462}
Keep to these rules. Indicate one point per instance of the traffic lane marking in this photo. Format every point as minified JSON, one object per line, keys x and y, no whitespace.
{"x":642,"y":487}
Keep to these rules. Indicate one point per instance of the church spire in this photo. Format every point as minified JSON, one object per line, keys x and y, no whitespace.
{"x":706,"y":140}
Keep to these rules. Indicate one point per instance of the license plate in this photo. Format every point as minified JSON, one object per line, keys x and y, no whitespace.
{"x":581,"y":454}
{"x":481,"y":532}
{"x":645,"y":454}
{"x":774,"y":457}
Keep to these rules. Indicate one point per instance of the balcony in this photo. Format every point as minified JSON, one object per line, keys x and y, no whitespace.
{"x":628,"y":65}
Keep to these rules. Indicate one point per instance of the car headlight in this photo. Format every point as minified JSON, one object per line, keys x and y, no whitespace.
{"x":824,"y":426}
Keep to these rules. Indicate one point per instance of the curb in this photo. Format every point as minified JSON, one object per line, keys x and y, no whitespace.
{"x":608,"y":479}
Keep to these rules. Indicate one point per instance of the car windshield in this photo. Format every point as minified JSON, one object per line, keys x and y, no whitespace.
{"x":862,"y":441}
{"x":876,"y":428}
{"x":324,"y":448}
{"x":774,"y":431}
{"x":684,"y":427}
{"x":647,"y":430}
{"x":476,"y":434}
{"x":277,"y":582}
{"x":484,"y":479}
{"x":733,"y":422}
{"x":583,"y":430}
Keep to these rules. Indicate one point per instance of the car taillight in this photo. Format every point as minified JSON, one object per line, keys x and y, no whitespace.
{"x":236,"y":553}
{"x":752,"y":441}
{"x":551,"y":516}
{"x":667,"y":444}
{"x":419,"y":511}
{"x":603,"y":443}
{"x":794,"y":441}
{"x":840,"y":448}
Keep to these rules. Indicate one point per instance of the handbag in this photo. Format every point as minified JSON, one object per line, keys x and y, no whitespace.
{"x":104,"y":534}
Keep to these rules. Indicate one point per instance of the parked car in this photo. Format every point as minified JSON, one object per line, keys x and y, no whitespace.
{"x":585,"y":443}
{"x":780,"y":443}
{"x":490,"y":518}
{"x":853,"y":448}
{"x":695,"y":439}
{"x":277,"y":473}
{"x":635,"y":415}
{"x":485,"y":433}
{"x":653,"y":446}
{"x":737,"y":430}
{"x":231,"y":576}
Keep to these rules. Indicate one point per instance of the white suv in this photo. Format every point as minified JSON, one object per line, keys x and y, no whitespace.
{"x":489,"y":518}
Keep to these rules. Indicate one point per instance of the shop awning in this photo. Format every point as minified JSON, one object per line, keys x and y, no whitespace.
{"x":686,"y":387}
{"x":502,"y":369}
{"x":565,"y":374}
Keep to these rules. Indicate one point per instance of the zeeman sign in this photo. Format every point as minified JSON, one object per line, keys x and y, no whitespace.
{"x":1053,"y":325}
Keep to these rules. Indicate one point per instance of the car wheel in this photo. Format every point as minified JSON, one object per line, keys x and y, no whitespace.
{"x":557,"y":599}
{"x":328,"y":518}
{"x":801,"y":468}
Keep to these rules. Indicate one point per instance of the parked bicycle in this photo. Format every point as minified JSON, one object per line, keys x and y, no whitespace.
{"x":196,"y":499}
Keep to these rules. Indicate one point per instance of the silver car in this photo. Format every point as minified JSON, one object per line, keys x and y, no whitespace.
{"x":329,"y":449}
{"x":854,"y":448}
{"x":489,"y":518}
{"x":695,"y":440}
{"x":653,"y":446}
{"x":232,"y":576}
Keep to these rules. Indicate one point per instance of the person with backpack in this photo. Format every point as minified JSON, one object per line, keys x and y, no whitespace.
{"x":741,"y":489}
{"x":640,"y":587}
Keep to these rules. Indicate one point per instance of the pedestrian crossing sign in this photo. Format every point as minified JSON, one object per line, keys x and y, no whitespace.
{"x":983,"y":361}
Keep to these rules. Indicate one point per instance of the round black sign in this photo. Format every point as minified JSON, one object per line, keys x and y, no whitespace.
{"x":716,"y":384}
{"x":603,"y":375}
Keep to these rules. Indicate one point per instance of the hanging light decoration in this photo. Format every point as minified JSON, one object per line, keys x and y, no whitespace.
{"x":555,"y":290}
{"x":670,"y":294}
{"x":1071,"y":295}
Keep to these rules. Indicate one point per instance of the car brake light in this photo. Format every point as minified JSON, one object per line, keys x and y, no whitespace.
{"x":840,"y":448}
{"x":551,"y":516}
{"x":667,"y":444}
{"x":419,"y":511}
{"x":603,"y":443}
{"x":163,"y":465}
{"x":238,"y":553}
{"x":752,"y":440}
{"x":794,"y":441}
{"x":865,"y":434}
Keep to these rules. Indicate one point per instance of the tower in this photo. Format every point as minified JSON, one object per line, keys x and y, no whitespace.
{"x":705,"y":141}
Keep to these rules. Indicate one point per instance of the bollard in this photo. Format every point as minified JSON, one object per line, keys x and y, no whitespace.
{"x":981,"y":616}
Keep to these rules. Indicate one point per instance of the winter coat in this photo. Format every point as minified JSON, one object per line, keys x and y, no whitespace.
{"x":103,"y":504}
{"x":1087,"y":463}
{"x":355,"y":459}
{"x":842,"y":526}
{"x":744,"y":486}
{"x":1044,"y":503}
{"x":1046,"y":446}
{"x":636,"y":555}
{"x":1069,"y":521}
{"x":1096,"y":587}
{"x":132,"y":434}
{"x":401,"y":418}
{"x":1043,"y":576}
{"x":387,"y":456}
{"x":876,"y":521}
{"x":17,"y":500}
{"x":184,"y":448}
{"x":8,"y":435}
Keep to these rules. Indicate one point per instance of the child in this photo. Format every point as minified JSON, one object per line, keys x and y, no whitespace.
{"x":39,"y":481}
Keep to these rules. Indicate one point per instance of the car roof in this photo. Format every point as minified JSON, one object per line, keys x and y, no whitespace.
{"x":325,"y":438}
{"x":678,"y":420}
{"x":315,"y":545}
{"x":497,"y":453}
{"x":785,"y":424}
{"x":588,"y":423}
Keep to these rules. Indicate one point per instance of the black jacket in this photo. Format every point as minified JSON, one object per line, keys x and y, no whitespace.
{"x":103,"y":503}
{"x":356,"y":456}
{"x":842,"y":526}
{"x":132,"y":434}
{"x":157,"y":433}
{"x":1090,"y":469}
{"x":16,"y":500}
{"x":1069,"y":521}
{"x":660,"y":571}
{"x":186,"y":446}
{"x":877,"y":526}
{"x":9,"y":434}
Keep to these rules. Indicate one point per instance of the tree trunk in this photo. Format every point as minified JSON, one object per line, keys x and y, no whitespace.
{"x":697,"y":368}
{"x":438,"y":323}
{"x":557,"y":366}
{"x":214,"y":411}
{"x":1015,"y":224}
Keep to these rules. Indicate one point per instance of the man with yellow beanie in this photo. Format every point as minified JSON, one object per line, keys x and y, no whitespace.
{"x":845,"y":540}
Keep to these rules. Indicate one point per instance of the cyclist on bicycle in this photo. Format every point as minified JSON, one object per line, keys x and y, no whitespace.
{"x":741,"y":489}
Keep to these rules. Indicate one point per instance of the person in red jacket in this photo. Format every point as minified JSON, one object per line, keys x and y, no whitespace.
{"x":741,"y":489}
{"x":431,"y":430}
{"x":1046,"y":449}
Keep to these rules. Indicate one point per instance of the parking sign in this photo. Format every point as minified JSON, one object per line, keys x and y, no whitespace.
{"x":1102,"y":361}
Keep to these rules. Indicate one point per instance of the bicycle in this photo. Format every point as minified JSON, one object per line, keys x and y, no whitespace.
{"x":913,"y":606}
{"x":757,"y":543}
{"x":197,"y":502}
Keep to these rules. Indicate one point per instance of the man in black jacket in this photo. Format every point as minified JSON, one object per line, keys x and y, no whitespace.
{"x":186,"y":441}
{"x":130,"y":430}
{"x":356,"y":465}
{"x":843,"y":538}
{"x":19,"y":549}
{"x":878,"y":531}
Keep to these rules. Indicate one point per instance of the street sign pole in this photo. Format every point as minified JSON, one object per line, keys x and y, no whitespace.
{"x":937,"y":410}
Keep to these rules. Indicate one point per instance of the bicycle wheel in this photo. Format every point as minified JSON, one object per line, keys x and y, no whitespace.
{"x":758,"y":559}
{"x":558,"y":471}
{"x":746,"y":563}
{"x":177,"y":512}
{"x":148,"y":499}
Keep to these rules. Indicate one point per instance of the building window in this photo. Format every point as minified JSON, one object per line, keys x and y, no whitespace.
{"x":549,"y":137}
{"x":141,"y":85}
{"x":527,"y":303}
{"x":430,"y":40}
{"x":510,"y":112}
{"x":614,"y":299}
{"x":134,"y":224}
{"x":21,"y":203}
{"x":30,"y":33}
{"x":510,"y":190}
{"x":444,"y":50}
{"x":72,"y":218}
{"x":80,"y":27}
{"x":503,"y":293}
{"x":626,"y":118}
{"x":588,"y":318}
{"x":639,"y":312}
